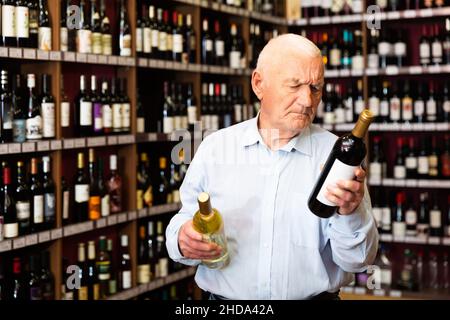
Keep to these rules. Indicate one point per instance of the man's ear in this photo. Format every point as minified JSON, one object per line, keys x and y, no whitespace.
{"x":257,"y":84}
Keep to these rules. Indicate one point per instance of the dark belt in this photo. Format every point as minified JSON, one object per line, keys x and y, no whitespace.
{"x":321,"y":296}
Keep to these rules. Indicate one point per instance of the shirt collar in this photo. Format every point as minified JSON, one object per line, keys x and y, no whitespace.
{"x":301,"y":142}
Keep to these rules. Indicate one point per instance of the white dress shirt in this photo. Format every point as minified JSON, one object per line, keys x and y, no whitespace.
{"x":278,"y":248}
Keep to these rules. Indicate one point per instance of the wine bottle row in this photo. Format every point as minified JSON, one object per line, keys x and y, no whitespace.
{"x":26,"y":277}
{"x":26,"y":24}
{"x":259,"y":36}
{"x":417,"y":271}
{"x":429,"y":159}
{"x":404,"y":215}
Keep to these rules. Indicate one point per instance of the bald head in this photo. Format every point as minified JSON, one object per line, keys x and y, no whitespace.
{"x":276,"y":50}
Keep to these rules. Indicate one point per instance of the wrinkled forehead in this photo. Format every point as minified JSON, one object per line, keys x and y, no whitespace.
{"x":299,"y":66}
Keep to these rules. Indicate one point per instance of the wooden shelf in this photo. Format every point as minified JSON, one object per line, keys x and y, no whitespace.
{"x":392,"y":127}
{"x":435,"y":241}
{"x":411,"y":183}
{"x":83,"y":227}
{"x":389,"y":71}
{"x":154,"y":285}
{"x":359,"y":293}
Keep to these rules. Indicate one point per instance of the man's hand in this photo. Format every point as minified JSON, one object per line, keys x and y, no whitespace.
{"x":347,"y":194}
{"x":193,"y":247}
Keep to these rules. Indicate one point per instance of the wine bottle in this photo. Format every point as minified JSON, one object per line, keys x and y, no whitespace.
{"x":19,"y":111}
{"x":81,"y":196}
{"x":423,"y":223}
{"x":65,"y":202}
{"x":96,"y":29}
{"x":177,"y":36}
{"x":65,"y":110}
{"x":140,"y":114}
{"x":116,"y":104}
{"x":22,"y":200}
{"x":8,"y":206}
{"x":340,"y":165}
{"x":45,"y":28}
{"x":63,"y":29}
{"x":37,"y":198}
{"x":163,"y":195}
{"x":207,"y":44}
{"x":97,"y":107}
{"x":84,"y":110}
{"x":107,"y":116}
{"x":84,"y":33}
{"x":47,"y":278}
{"x":162,"y":263}
{"x":106,"y":30}
{"x":435,"y":219}
{"x":143,"y":268}
{"x":114,"y":183}
{"x":17,"y":285}
{"x":104,"y":268}
{"x":92,"y":273}
{"x":8,"y":23}
{"x":6,"y":116}
{"x":399,"y":223}
{"x":208,"y":221}
{"x":125,"y":106}
{"x":33,"y":23}
{"x":49,"y":195}
{"x":124,"y":32}
{"x":34,"y":119}
{"x":34,"y":282}
{"x":94,"y":192}
{"x":22,"y":26}
{"x":125,"y":264}
{"x":82,"y":291}
{"x":104,"y":195}
{"x":191,"y":41}
{"x":47,"y":108}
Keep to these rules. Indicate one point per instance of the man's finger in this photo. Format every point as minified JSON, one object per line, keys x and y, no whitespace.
{"x":350,"y":185}
{"x":191,"y":233}
{"x":342,"y":194}
{"x":203,"y":246}
{"x":360,"y":174}
{"x":332,"y":198}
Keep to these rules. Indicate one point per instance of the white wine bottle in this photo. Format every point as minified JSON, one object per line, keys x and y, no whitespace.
{"x":347,"y":154}
{"x":208,"y":221}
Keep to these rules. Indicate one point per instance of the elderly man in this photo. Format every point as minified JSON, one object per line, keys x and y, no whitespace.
{"x":259,"y":175}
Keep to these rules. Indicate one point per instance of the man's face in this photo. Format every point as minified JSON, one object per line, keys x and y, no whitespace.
{"x":292,"y":92}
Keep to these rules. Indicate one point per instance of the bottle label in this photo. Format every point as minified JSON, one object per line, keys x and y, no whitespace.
{"x":372,"y":61}
{"x":338,"y":171}
{"x":94,"y":208}
{"x":378,"y":216}
{"x":435,"y":219}
{"x":214,"y":122}
{"x":65,"y":206}
{"x":8,"y":21}
{"x":411,"y":162}
{"x":98,"y":117}
{"x":184,"y":122}
{"x":220,"y":48}
{"x":359,"y":106}
{"x":97,"y":43}
{"x":335,"y":57}
{"x":176,"y":196}
{"x":399,"y":229}
{"x":107,"y":44}
{"x":436,"y":50}
{"x":399,"y":172}
{"x":139,"y":38}
{"x":419,"y":108}
{"x":411,"y":217}
{"x":64,"y":39}
{"x":386,"y":220}
{"x":107,"y":116}
{"x":112,"y":285}
{"x":65,"y":114}
{"x":209,"y":45}
{"x":86,"y":113}
{"x":83,"y":293}
{"x":105,"y":206}
{"x":386,"y":277}
{"x":96,"y":291}
{"x":22,"y":28}
{"x":140,"y":125}
{"x":162,"y":44}
{"x":163,"y":267}
{"x":147,"y":41}
{"x":328,"y":118}
{"x":235,"y":59}
{"x":84,"y":41}
{"x":357,"y":62}
{"x":19,"y":130}
{"x":384,"y":108}
{"x":407,"y":106}
{"x":81,"y":193}
{"x":431,"y":107}
{"x":424,"y":51}
{"x":11,"y":230}
{"x":34,"y":128}
{"x":143,"y":273}
{"x":23,"y":210}
{"x":126,"y":121}
{"x":374,"y":105}
{"x":384,"y":49}
{"x":148,"y":196}
{"x":48,"y":119}
{"x":45,"y":38}
{"x":103,"y":270}
{"x":168,"y":124}
{"x":139,"y":199}
{"x":169,"y":42}
{"x":38,"y":209}
{"x":177,"y":43}
{"x":395,"y":109}
{"x":126,"y":279}
{"x":423,"y":165}
{"x":49,"y":206}
{"x":375,"y":170}
{"x":177,"y":122}
{"x":155,"y":38}
{"x":125,"y":48}
{"x":117,"y":115}
{"x":446,"y":106}
{"x":400,"y":49}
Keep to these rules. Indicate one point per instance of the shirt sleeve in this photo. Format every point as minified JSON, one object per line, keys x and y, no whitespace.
{"x":354,"y":238}
{"x":193,"y":184}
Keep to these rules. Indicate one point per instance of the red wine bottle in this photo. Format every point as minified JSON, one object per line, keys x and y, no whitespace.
{"x":347,"y":154}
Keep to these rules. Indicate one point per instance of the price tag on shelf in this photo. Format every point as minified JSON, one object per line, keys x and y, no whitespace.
{"x":44,"y":236}
{"x":121,"y":61}
{"x":92,"y":58}
{"x":70,"y":56}
{"x":434,"y":69}
{"x":102,"y":59}
{"x":43,"y":55}
{"x":360,"y":290}
{"x":100,"y":223}
{"x":394,"y":15}
{"x":70,"y":230}
{"x":80,"y":143}
{"x":142,"y":288}
{"x":392,"y":70}
{"x":122,"y":217}
{"x":131,"y":62}
{"x":142,"y":62}
{"x":3,"y":52}
{"x":443,"y":126}
{"x":399,"y":183}
{"x":409,"y":14}
{"x":81,"y":57}
{"x":446,"y":241}
{"x":344,"y":73}
{"x":15,"y":53}
{"x":331,"y":73}
{"x":56,"y":144}
{"x":347,"y":289}
{"x":434,"y":240}
{"x":398,"y":238}
{"x":5,"y":245}
{"x":19,"y":243}
{"x":386,"y":237}
{"x":415,"y":70}
{"x":395,"y":293}
{"x":426,"y":12}
{"x":112,"y":60}
{"x":339,"y":19}
{"x":112,"y":220}
{"x":371,"y":72}
{"x":160,"y":64}
{"x":379,"y":292}
{"x":142,"y":213}
{"x":14,"y":148}
{"x":56,"y":233}
{"x":357,"y":73}
{"x":411,"y":183}
{"x":3,"y":148}
{"x":112,"y":140}
{"x":68,"y":143}
{"x":43,"y":145}
{"x":55,"y":55}
{"x":29,"y":53}
{"x":132,"y":215}
{"x":429,"y":126}
{"x":96,"y":142}
{"x":125,"y":139}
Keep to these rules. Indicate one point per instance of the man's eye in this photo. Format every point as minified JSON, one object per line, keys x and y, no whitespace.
{"x":316,"y":88}
{"x":295,"y":86}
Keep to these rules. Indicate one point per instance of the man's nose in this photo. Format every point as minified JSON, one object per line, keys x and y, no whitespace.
{"x":304,"y":96}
